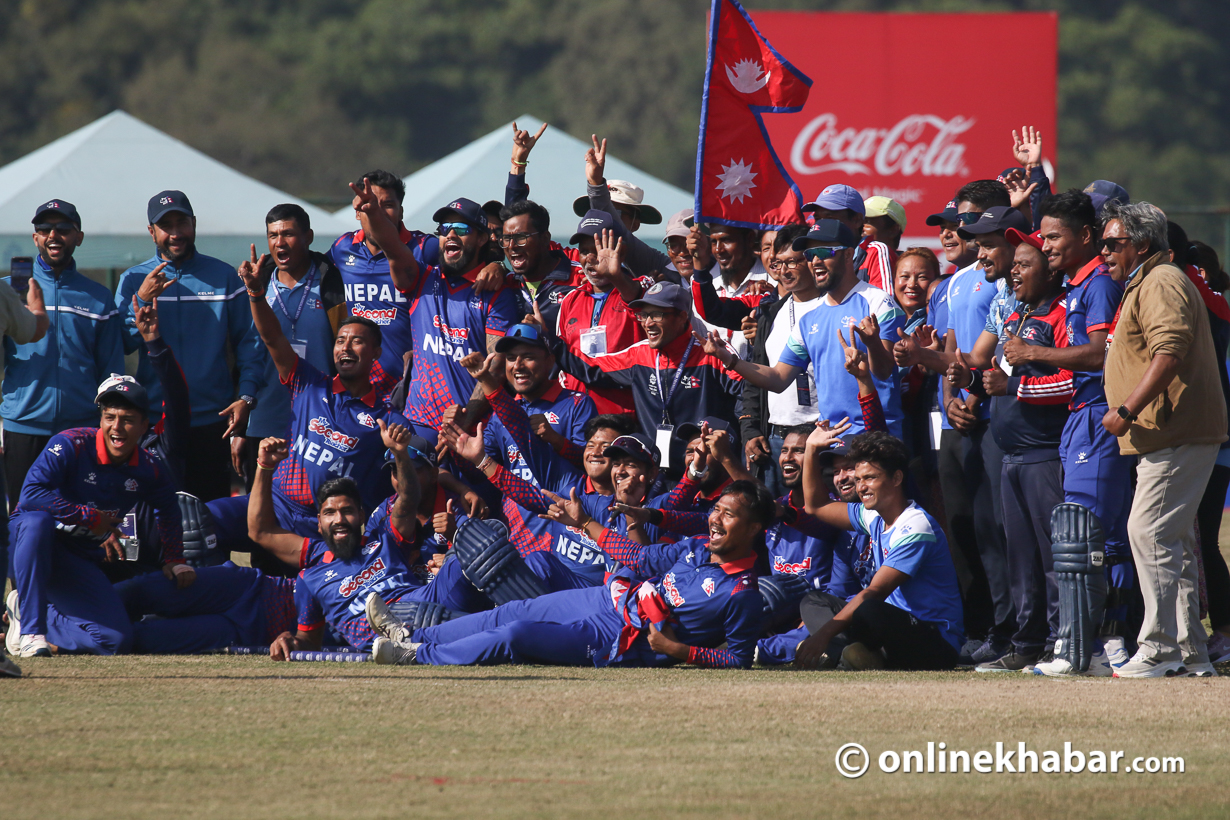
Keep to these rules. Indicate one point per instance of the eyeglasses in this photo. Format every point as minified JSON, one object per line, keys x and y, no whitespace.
{"x":820,"y":254}
{"x":652,"y":316}
{"x":791,"y":265}
{"x":516,"y":240}
{"x":62,"y":228}
{"x":1111,"y":243}
{"x":459,"y":228}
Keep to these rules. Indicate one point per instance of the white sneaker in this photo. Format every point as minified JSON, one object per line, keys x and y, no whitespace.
{"x":1099,"y":667}
{"x":8,"y":669}
{"x":1200,"y":669}
{"x":1115,"y":651}
{"x":392,"y":653}
{"x":1144,"y":667}
{"x":384,"y":621}
{"x":34,"y":646}
{"x":12,"y":638}
{"x":1219,"y":647}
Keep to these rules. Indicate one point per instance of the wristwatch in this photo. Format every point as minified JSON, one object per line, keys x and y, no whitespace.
{"x":249,"y":400}
{"x":1125,"y":415}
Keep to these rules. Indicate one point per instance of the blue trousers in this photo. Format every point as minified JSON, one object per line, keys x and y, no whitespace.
{"x":555,"y":574}
{"x":1030,"y":493}
{"x":63,"y":595}
{"x":231,"y":521}
{"x":568,"y":628}
{"x":1097,"y":476}
{"x":780,"y":648}
{"x":222,"y":607}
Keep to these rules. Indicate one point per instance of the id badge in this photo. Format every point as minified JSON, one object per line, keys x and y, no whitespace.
{"x":300,"y":349}
{"x":936,"y":428}
{"x":803,"y":388}
{"x":663,"y":439}
{"x":1004,"y":366}
{"x":593,"y":341}
{"x":128,"y":537}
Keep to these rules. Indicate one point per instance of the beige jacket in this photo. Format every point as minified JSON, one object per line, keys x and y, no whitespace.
{"x":1162,"y":313}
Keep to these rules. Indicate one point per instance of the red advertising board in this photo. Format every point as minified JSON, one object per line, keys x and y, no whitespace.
{"x":912,"y":106}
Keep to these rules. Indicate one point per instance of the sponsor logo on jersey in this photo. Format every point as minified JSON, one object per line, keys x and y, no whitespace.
{"x":366,"y":419}
{"x":352,"y":583}
{"x":708,"y":585}
{"x":672,"y":592}
{"x":381,"y":316}
{"x":783,"y":567}
{"x":131,"y":485}
{"x":456,"y":335}
{"x":337,"y":440}
{"x":919,"y":144}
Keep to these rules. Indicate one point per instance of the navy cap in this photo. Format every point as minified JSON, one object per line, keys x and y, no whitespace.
{"x":690,"y":430}
{"x":838,"y":198}
{"x":1102,"y":191}
{"x":593,"y":223}
{"x":664,"y":294}
{"x":163,"y":202}
{"x":464,"y":210}
{"x":127,"y":388}
{"x":58,"y":206}
{"x":827,"y":232}
{"x":949,"y":214}
{"x":521,"y":335}
{"x":839,"y":450}
{"x":997,"y":218}
{"x":637,"y":446}
{"x":419,"y":449}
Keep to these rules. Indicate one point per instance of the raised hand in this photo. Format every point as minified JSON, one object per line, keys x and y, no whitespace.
{"x":272,"y":452}
{"x":748,"y":326}
{"x":634,"y":515}
{"x":958,"y":374}
{"x":905,"y":349}
{"x":567,"y":511}
{"x":156,"y":281}
{"x":1017,"y":351}
{"x":523,"y":143}
{"x":490,"y":278}
{"x":925,"y":336}
{"x":856,"y":360}
{"x":469,"y":447}
{"x":145,"y":318}
{"x":824,"y":436}
{"x":396,"y":437}
{"x":595,"y":162}
{"x":249,"y":272}
{"x":1027,"y":146}
{"x":445,"y":523}
{"x":994,"y":379}
{"x":868,"y":329}
{"x":1019,"y":189}
{"x":487,"y":370}
{"x":756,"y":449}
{"x":714,"y":345}
{"x":365,"y":200}
{"x":700,"y":249}
{"x":611,"y":253}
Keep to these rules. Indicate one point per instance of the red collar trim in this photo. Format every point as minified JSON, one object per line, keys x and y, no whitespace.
{"x":742,"y":565}
{"x":551,"y":395}
{"x":104,"y":457}
{"x":469,"y":277}
{"x":1085,"y":272}
{"x":403,"y":233}
{"x":368,"y":398}
{"x":717,"y":493}
{"x":589,"y":485}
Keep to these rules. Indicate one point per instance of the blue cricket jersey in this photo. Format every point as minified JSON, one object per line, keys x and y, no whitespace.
{"x":805,"y":549}
{"x":814,"y":341}
{"x":1092,"y":301}
{"x":567,"y":412}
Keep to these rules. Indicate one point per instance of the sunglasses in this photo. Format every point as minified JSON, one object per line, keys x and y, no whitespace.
{"x":62,"y":228}
{"x":459,"y":228}
{"x":1111,"y":243}
{"x":969,"y":218}
{"x":820,"y":254}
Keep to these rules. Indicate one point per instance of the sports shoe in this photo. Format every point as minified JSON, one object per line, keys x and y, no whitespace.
{"x":1199,"y":669}
{"x":1014,"y":661}
{"x":392,"y":653}
{"x":384,"y":621}
{"x":8,"y":669}
{"x":34,"y":646}
{"x":1116,"y":653}
{"x":12,"y":638}
{"x":1099,"y":667}
{"x":1144,"y":667}
{"x":992,"y":649}
{"x":1219,"y":647}
{"x":857,"y":657}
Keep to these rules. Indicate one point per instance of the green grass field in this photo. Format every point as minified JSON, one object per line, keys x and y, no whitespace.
{"x":217,"y":736}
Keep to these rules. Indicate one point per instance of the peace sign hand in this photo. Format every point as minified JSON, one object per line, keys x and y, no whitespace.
{"x":595,"y":162}
{"x":856,"y":360}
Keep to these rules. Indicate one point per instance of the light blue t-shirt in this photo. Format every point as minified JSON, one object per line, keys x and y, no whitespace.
{"x":814,"y":341}
{"x":916,"y":546}
{"x":969,"y":299}
{"x":272,"y":415}
{"x":1003,"y":305}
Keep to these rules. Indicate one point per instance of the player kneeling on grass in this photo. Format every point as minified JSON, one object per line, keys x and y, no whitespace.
{"x":909,"y":616}
{"x":705,"y":595}
{"x":341,"y":568}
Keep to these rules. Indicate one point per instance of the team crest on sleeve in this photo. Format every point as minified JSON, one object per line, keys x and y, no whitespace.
{"x":131,"y":485}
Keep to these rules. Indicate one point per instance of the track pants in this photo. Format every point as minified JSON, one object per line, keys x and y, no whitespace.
{"x":569,"y":628}
{"x":221,"y":608}
{"x":908,"y":643}
{"x":780,"y":648}
{"x":63,"y":595}
{"x":1031,"y":489}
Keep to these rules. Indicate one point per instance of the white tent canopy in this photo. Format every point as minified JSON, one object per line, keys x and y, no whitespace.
{"x":110,"y":168}
{"x":556,"y":176}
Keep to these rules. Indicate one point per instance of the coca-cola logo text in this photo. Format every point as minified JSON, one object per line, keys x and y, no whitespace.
{"x":918,"y":144}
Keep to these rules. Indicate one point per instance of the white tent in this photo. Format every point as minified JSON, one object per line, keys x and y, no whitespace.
{"x":110,"y":168}
{"x":556,"y":176}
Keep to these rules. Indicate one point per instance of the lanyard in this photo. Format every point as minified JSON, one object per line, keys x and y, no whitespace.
{"x":666,"y":396}
{"x":599,"y":304}
{"x":303,"y":298}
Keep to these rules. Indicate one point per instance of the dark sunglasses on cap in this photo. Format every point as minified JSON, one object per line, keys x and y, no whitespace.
{"x":459,"y":228}
{"x":820,"y":254}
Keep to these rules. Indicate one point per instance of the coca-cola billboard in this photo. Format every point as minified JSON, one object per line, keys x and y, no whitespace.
{"x":912,"y":106}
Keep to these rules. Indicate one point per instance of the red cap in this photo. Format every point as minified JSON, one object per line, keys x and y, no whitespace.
{"x":1016,"y":237}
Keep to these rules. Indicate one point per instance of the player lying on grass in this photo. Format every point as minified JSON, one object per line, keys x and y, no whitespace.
{"x":343,"y":566}
{"x":703,"y":595}
{"x":909,"y":616}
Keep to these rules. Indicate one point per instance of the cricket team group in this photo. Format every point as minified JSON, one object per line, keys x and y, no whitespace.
{"x":519,"y":439}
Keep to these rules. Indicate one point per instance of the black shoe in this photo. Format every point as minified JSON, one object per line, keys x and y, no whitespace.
{"x":1014,"y":661}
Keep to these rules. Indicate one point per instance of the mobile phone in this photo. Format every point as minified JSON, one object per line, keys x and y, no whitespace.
{"x":21,"y":268}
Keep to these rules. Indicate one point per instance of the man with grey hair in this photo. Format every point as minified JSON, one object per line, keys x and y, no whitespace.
{"x":1167,"y":409}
